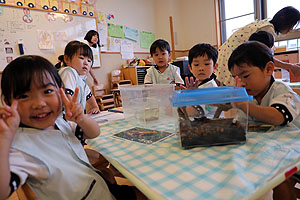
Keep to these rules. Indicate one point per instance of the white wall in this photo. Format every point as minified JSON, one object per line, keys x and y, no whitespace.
{"x":193,"y":22}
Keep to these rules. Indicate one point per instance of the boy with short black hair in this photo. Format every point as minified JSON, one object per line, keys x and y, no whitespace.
{"x":163,"y":72}
{"x":263,"y":37}
{"x":252,"y":66}
{"x":202,"y":63}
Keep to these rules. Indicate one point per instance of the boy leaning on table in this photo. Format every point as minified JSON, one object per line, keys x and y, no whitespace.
{"x":274,"y":102}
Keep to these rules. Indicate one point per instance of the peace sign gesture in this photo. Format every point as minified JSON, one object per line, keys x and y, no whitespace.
{"x":74,"y":111}
{"x":9,"y":120}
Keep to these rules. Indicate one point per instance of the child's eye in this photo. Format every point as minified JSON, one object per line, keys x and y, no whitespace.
{"x":246,"y":76}
{"x":207,"y":64}
{"x":156,"y":54}
{"x":48,"y":91}
{"x":89,"y":60}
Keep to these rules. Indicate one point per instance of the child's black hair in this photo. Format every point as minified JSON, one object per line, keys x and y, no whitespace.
{"x":89,"y":35}
{"x":285,"y":19}
{"x":251,"y":53}
{"x":161,"y":44}
{"x":19,"y":74}
{"x":200,"y":50}
{"x":263,"y":37}
{"x":73,"y":47}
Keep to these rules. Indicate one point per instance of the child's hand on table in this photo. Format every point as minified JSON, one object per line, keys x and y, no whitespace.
{"x":94,"y":111}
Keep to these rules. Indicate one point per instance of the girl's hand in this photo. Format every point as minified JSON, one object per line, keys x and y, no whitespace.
{"x":74,"y":111}
{"x":9,"y":120}
{"x":191,"y":84}
{"x":94,"y":111}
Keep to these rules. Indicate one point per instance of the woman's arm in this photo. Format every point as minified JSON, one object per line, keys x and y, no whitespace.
{"x":293,"y":67}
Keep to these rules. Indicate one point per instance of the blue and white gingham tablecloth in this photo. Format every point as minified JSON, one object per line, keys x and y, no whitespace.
{"x":244,"y":171}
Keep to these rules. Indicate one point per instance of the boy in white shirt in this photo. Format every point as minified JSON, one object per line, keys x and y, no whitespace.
{"x":274,"y":102}
{"x":202,"y":64}
{"x":163,"y":72}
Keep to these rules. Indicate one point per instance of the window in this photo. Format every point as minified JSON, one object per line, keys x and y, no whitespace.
{"x":290,"y":40}
{"x":235,"y":14}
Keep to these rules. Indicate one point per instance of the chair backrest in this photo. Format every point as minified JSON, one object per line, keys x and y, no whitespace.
{"x":297,"y":90}
{"x":98,"y":90}
{"x":26,"y":193}
{"x":116,"y":76}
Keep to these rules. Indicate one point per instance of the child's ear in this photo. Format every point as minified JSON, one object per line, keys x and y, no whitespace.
{"x":269,"y":69}
{"x":216,"y":66}
{"x":66,"y":59}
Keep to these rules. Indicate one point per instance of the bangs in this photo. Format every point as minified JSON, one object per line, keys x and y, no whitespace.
{"x":86,"y":51}
{"x":18,"y":76}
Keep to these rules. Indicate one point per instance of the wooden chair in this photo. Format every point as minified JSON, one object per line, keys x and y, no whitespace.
{"x":297,"y":90}
{"x":104,"y":100}
{"x":26,"y":193}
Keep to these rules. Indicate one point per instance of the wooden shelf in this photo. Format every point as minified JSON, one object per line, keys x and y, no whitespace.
{"x":135,"y":74}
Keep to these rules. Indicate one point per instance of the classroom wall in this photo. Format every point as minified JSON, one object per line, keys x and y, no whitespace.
{"x":193,"y":22}
{"x":137,"y":14}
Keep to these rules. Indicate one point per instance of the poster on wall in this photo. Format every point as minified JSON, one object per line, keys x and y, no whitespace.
{"x":115,"y":30}
{"x":131,"y":33}
{"x":45,"y":39}
{"x":146,"y":39}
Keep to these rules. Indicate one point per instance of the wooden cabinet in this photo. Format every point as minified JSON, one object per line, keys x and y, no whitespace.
{"x":135,"y":74}
{"x":290,"y":57}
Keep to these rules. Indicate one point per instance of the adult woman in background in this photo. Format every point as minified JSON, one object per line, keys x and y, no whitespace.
{"x":92,"y":39}
{"x":282,"y":22}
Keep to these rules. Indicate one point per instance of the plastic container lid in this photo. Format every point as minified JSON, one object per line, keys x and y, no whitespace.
{"x":215,"y":95}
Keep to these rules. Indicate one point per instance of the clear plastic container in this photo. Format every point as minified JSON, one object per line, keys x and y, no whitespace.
{"x":148,"y":105}
{"x":207,"y":117}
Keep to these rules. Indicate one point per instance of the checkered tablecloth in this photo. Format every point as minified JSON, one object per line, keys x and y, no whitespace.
{"x":221,"y":172}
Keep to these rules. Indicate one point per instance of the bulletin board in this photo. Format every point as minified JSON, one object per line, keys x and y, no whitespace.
{"x":39,"y":32}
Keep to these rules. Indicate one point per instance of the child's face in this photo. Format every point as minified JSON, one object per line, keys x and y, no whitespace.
{"x":161,"y":58}
{"x":94,"y":39}
{"x":253,"y":79}
{"x":40,"y":107}
{"x":202,"y":67}
{"x":82,"y":64}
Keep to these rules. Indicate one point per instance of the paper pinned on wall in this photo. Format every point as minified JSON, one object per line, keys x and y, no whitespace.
{"x":61,"y":36}
{"x":131,"y":33}
{"x":126,"y":50}
{"x":66,"y":6}
{"x":115,"y":30}
{"x":102,"y":30}
{"x":45,"y":39}
{"x":54,"y":5}
{"x":114,"y":44}
{"x":146,"y":39}
{"x":102,"y":18}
